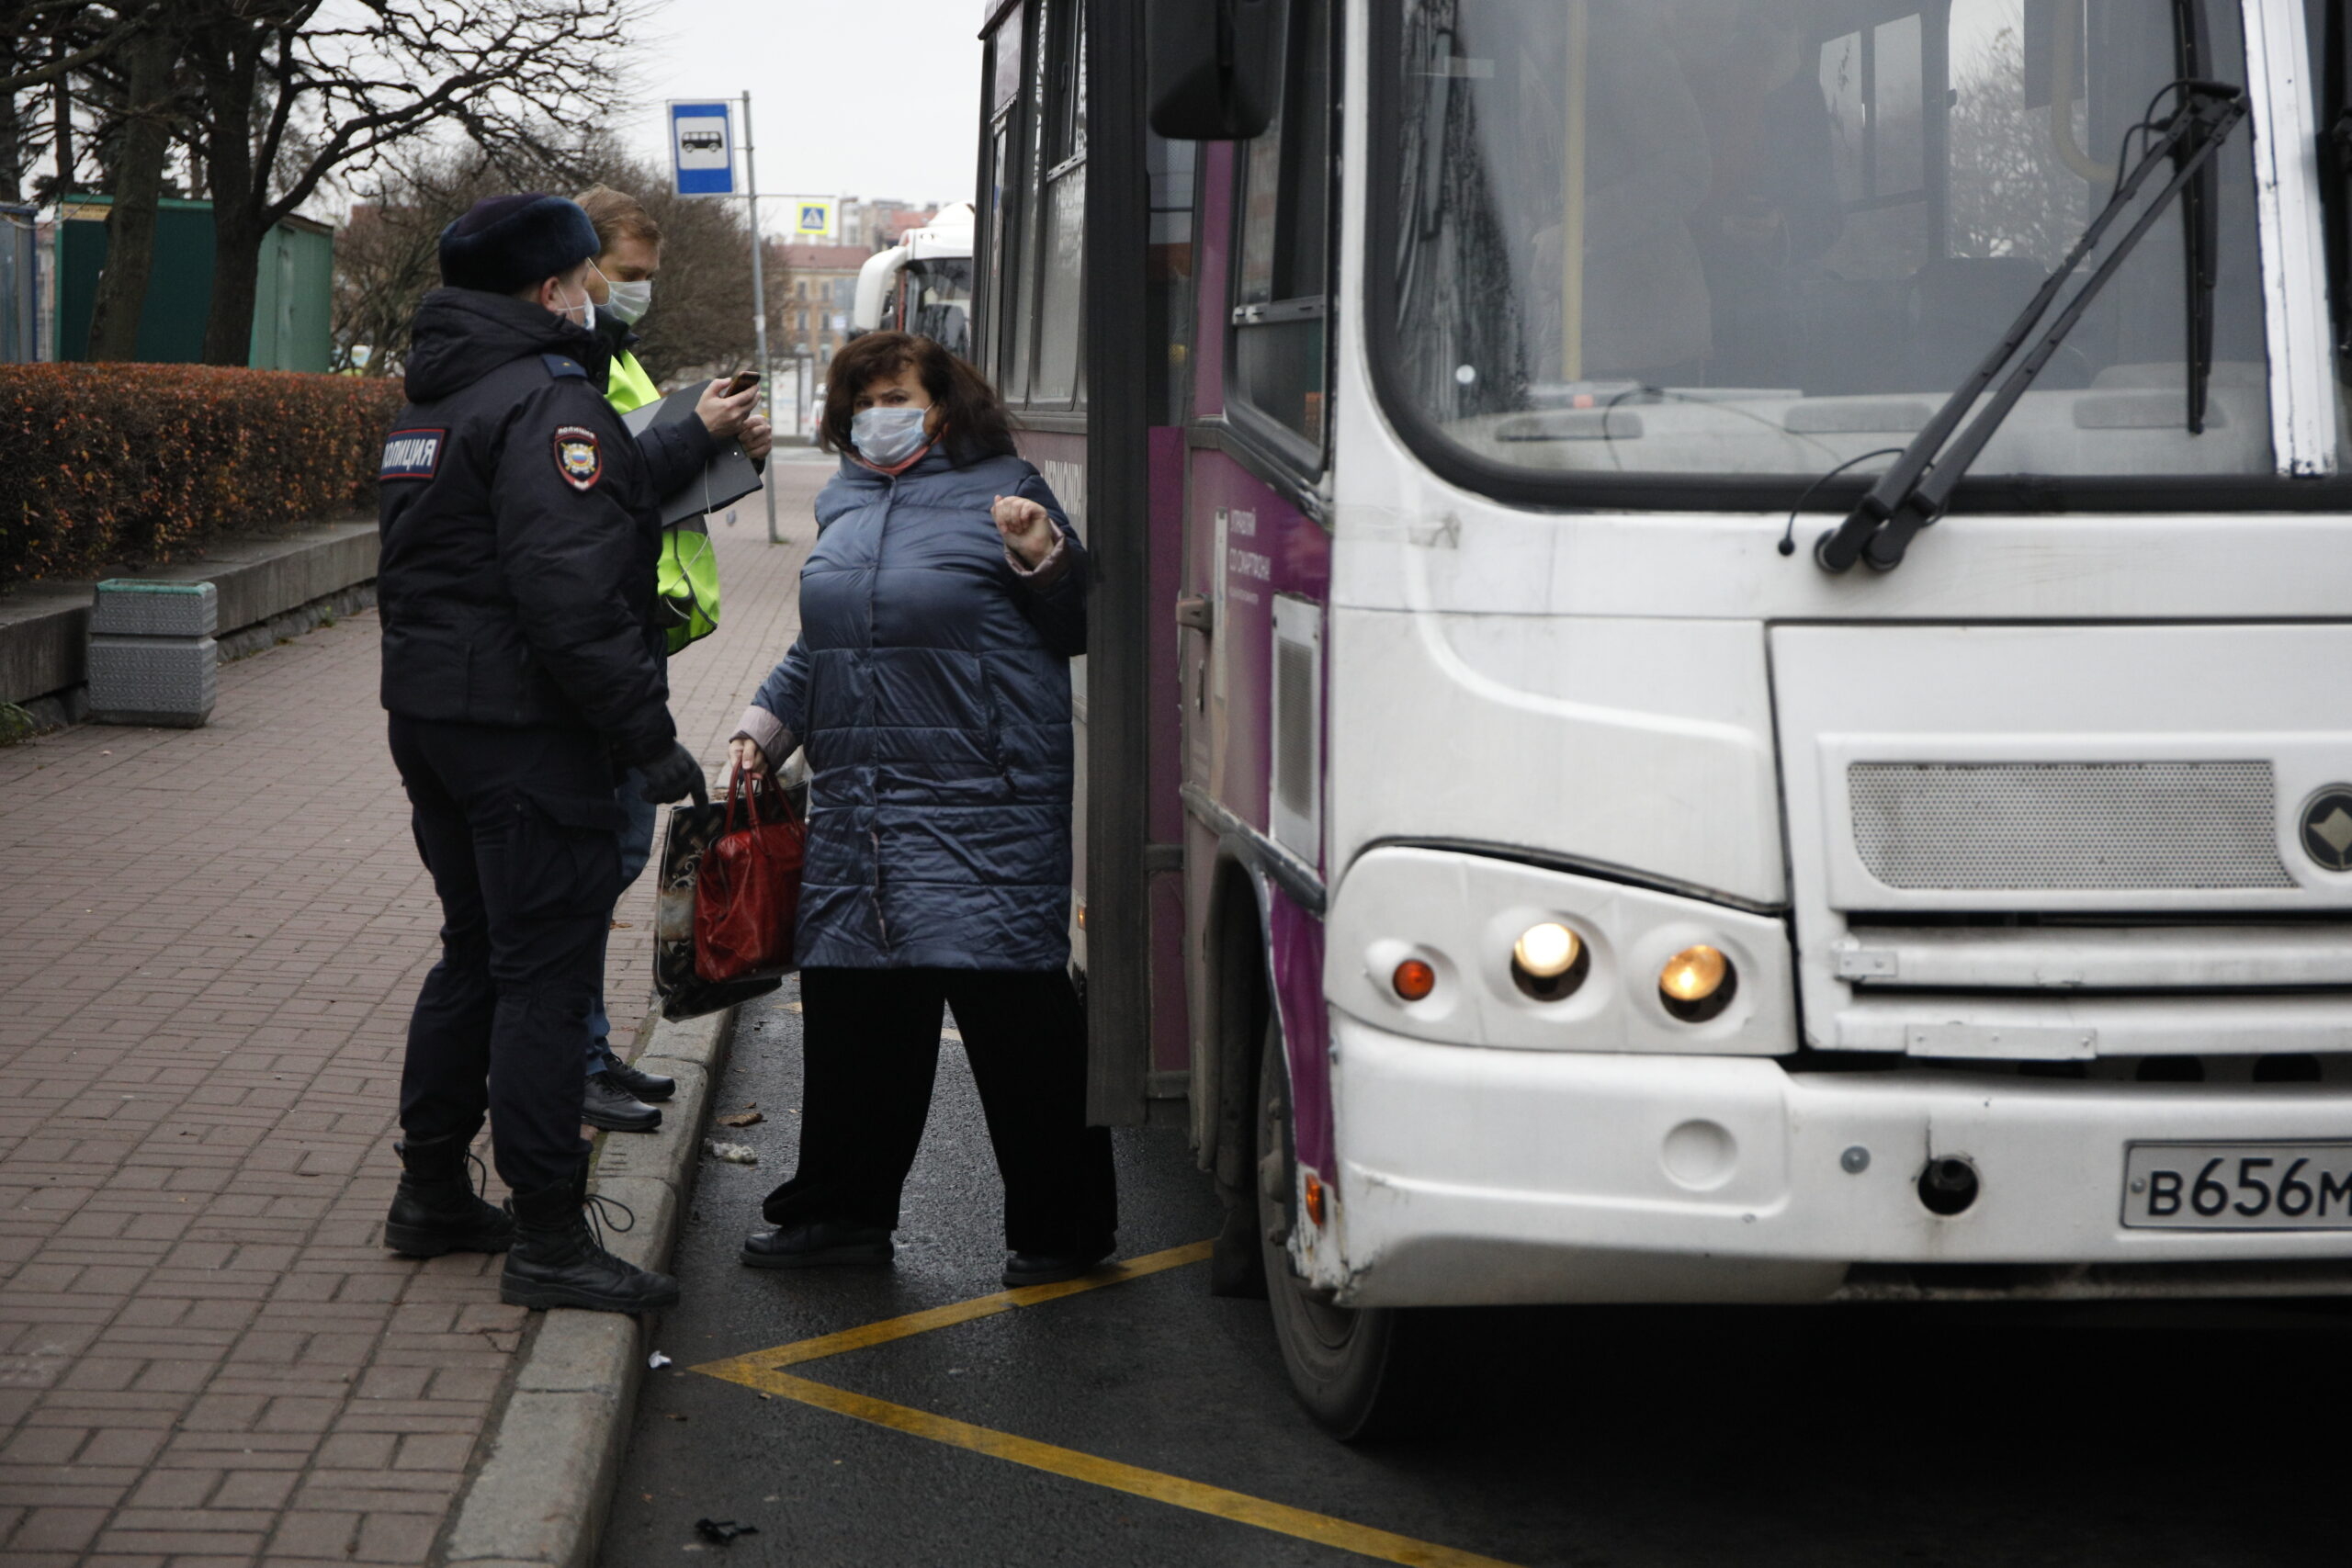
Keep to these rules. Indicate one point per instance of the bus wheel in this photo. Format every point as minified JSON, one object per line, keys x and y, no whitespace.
{"x":1344,"y":1361}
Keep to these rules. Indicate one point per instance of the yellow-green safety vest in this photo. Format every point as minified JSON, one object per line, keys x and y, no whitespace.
{"x":688,"y":574}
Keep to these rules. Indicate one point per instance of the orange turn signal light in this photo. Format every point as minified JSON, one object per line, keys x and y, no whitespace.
{"x":1413,"y":979}
{"x":1315,"y":1199}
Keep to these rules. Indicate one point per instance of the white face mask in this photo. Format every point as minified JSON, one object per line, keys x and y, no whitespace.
{"x":587,"y":309}
{"x":627,"y":303}
{"x":887,"y":437}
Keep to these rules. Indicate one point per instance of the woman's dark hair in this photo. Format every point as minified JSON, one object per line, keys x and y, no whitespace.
{"x":974,"y":422}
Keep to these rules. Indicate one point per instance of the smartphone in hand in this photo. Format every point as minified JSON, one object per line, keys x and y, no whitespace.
{"x":743,"y":382}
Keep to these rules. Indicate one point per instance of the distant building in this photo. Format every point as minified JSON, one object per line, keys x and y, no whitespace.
{"x":824,"y":285}
{"x":880,"y":223}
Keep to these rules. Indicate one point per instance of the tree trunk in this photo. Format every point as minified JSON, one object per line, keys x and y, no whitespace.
{"x":239,"y":194}
{"x":237,"y":234}
{"x":138,"y":186}
{"x":62,"y":108}
{"x":12,"y":132}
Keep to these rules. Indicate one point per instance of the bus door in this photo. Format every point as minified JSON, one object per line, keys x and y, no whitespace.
{"x":1080,"y":318}
{"x":1256,"y":568}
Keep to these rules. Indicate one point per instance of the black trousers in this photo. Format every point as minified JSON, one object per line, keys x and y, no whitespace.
{"x":872,"y":1051}
{"x":518,"y":827}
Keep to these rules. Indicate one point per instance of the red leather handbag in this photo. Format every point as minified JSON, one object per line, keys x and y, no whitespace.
{"x":747,"y":893}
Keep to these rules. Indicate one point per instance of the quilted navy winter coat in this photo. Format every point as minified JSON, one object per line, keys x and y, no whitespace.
{"x":931,"y":687}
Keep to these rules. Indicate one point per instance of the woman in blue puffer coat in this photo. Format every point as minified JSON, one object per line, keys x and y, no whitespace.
{"x":939,"y":611}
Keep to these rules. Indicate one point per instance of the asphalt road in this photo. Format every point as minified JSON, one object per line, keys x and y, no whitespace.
{"x":2149,"y":1435}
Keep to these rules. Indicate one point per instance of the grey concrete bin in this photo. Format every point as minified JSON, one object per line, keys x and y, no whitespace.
{"x":153,"y":659}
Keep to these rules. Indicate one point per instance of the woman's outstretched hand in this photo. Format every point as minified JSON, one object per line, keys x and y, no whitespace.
{"x":1028,"y":532}
{"x":747,"y":755}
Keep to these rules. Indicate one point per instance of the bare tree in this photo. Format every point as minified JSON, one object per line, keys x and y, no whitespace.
{"x":388,"y":255}
{"x":2011,"y":194}
{"x":353,"y":83}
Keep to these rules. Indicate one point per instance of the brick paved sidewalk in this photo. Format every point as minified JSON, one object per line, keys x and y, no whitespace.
{"x":210,"y":940}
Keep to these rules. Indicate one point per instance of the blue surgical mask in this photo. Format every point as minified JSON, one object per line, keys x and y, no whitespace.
{"x":887,"y":437}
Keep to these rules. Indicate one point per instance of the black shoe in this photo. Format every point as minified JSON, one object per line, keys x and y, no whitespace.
{"x":555,"y":1262}
{"x":436,"y":1209}
{"x":1051,"y":1267}
{"x":815,"y":1244}
{"x":647,"y":1087}
{"x":613,"y":1108}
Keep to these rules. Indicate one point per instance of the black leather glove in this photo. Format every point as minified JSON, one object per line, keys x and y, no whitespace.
{"x":673,"y":776}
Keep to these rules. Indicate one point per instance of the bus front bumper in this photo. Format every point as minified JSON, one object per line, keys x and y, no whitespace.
{"x":1470,"y":1174}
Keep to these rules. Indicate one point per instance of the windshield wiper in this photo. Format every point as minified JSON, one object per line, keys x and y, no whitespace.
{"x":1914,"y":491}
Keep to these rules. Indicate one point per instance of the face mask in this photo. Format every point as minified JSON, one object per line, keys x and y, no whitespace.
{"x":587,"y":307}
{"x":887,"y":437}
{"x":628,"y":302}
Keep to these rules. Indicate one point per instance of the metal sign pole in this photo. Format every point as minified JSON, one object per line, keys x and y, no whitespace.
{"x":758,"y":306}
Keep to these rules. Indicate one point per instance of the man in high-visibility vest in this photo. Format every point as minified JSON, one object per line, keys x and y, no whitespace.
{"x":619,"y":1098}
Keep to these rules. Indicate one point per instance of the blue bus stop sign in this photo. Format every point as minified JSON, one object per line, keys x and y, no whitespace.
{"x":702,"y":148}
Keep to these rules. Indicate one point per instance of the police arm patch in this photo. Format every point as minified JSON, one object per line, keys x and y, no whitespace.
{"x":578,"y":457}
{"x":413,"y":454}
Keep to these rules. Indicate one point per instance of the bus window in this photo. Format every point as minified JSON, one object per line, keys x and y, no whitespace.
{"x":938,"y":292}
{"x":1169,"y":276}
{"x":1003,"y":183}
{"x":1724,"y":237}
{"x":1278,"y":284}
{"x":2325,"y":26}
{"x":1062,"y":238}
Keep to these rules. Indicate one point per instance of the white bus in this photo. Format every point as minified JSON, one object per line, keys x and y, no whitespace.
{"x":923,"y":284}
{"x":1689,"y":702}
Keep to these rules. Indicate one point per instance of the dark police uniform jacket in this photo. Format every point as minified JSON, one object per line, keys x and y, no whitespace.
{"x":520,"y":534}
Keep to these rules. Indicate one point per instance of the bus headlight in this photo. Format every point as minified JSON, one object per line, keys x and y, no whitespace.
{"x":1549,"y":961}
{"x":1697,"y":983}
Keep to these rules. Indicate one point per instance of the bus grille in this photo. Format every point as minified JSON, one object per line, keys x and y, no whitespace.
{"x":2099,"y":826}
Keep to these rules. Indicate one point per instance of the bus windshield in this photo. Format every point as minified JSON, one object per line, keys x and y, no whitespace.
{"x":1771,"y":236}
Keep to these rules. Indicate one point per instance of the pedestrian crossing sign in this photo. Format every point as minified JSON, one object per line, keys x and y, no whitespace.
{"x":813,"y":217}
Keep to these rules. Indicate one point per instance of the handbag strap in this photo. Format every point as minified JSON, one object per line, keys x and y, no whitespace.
{"x":740,"y":788}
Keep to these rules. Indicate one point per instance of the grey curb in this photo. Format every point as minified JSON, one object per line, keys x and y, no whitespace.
{"x":553,"y":1451}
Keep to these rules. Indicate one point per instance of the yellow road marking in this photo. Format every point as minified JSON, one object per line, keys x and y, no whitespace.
{"x":882,"y":1332}
{"x":763,"y":1370}
{"x":1198,"y":1497}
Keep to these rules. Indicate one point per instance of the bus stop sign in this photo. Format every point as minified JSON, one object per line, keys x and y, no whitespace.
{"x":702,"y":148}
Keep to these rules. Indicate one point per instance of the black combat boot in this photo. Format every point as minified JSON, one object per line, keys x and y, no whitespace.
{"x":436,"y":1209}
{"x":606,"y":1104}
{"x":650,"y":1087}
{"x":557,"y":1262}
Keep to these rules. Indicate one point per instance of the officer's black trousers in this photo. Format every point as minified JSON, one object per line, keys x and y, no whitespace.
{"x":517,"y":826}
{"x":871,"y":1052}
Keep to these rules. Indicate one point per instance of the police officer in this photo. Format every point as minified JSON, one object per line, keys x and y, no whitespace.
{"x":523,"y":673}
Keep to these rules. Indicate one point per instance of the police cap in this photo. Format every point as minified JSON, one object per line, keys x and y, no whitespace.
{"x":505,"y":243}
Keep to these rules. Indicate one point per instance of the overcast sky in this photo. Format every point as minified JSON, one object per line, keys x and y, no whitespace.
{"x":849,"y":97}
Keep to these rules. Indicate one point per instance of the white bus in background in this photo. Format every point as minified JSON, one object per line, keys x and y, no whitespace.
{"x":921,"y":284}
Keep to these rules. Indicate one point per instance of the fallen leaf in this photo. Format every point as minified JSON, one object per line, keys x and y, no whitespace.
{"x":742,"y":1119}
{"x":674,"y":1416}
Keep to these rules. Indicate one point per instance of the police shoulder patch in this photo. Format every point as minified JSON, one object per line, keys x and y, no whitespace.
{"x":578,"y":457}
{"x":413,"y":454}
{"x":562,"y":366}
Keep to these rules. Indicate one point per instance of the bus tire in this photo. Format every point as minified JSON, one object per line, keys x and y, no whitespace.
{"x":1344,"y":1362}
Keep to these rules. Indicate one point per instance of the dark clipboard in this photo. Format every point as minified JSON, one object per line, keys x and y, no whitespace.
{"x":725,"y":479}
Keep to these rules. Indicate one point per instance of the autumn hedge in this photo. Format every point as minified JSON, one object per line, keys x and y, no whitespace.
{"x":105,"y":464}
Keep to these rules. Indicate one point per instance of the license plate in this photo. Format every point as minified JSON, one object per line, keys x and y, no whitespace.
{"x":2238,"y":1187}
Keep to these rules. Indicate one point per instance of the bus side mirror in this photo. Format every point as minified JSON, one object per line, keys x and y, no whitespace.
{"x":1216,"y":67}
